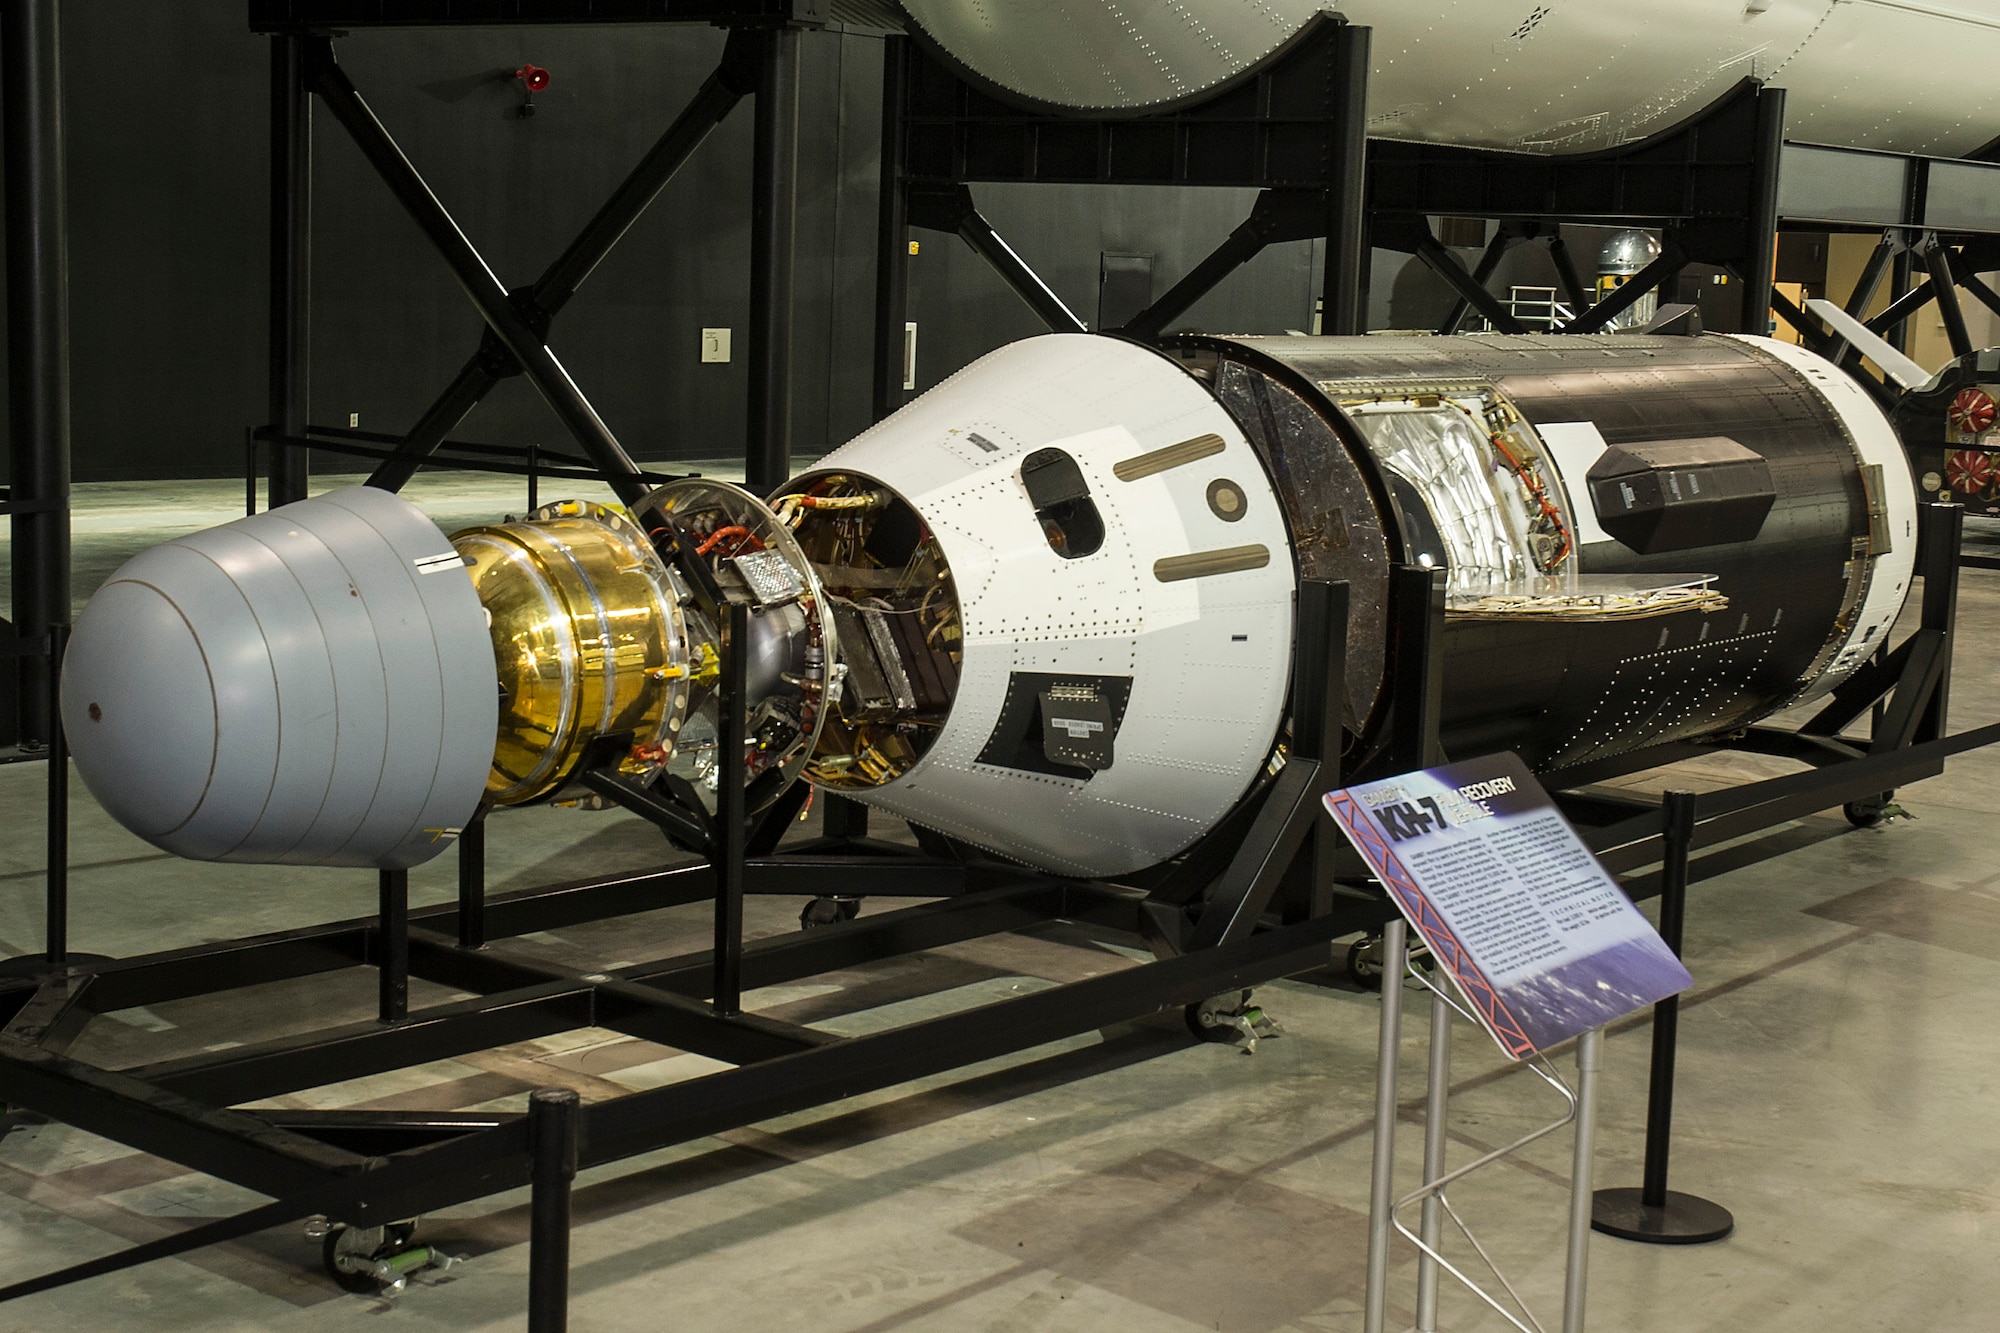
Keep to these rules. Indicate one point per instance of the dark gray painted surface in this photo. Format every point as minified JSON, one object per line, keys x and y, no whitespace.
{"x":167,"y":126}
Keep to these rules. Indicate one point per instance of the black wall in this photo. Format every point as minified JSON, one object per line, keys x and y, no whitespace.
{"x":166,"y":129}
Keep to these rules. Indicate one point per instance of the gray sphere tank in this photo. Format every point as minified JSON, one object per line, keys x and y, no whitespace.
{"x":309,"y":686}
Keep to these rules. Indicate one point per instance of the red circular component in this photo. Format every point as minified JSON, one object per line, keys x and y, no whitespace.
{"x":1971,"y":412}
{"x":1969,"y":471}
{"x":535,"y":78}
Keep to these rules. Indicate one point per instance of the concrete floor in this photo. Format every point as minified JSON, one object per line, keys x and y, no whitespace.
{"x":1839,"y":1059}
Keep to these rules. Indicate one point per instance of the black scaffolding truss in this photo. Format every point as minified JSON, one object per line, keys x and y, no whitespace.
{"x":1260,"y":897}
{"x":760,"y":61}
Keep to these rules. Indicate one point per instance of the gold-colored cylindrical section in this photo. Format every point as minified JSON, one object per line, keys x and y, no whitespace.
{"x":588,"y":639}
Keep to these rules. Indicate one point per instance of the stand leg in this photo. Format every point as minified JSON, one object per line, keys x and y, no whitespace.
{"x":1589,"y":1054}
{"x":393,"y":969}
{"x":729,"y":818}
{"x":291,"y":266}
{"x":31,"y":146}
{"x":773,"y":224}
{"x":472,"y":884}
{"x":892,"y":245}
{"x":1653,"y":1213}
{"x":1432,"y":1225}
{"x":552,"y":1130}
{"x":1382,"y":1185}
{"x":56,"y":922}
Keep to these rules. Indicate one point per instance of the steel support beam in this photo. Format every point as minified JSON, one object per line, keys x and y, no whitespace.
{"x":773,"y":256}
{"x":1937,"y":262}
{"x":733,"y":79}
{"x":31,"y":120}
{"x":1344,"y":289}
{"x":514,"y":330}
{"x":1445,"y":264}
{"x":892,"y":237}
{"x":1760,"y":239}
{"x":291,"y":269}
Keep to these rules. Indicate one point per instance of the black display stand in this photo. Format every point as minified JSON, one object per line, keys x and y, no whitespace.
{"x":1653,"y":1213}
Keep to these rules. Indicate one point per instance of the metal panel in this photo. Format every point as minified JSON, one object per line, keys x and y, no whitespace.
{"x":1544,"y":78}
{"x":1963,"y":196}
{"x":1836,"y":185}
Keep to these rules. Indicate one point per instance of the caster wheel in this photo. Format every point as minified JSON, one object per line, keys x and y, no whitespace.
{"x":1866,"y":814}
{"x":1213,"y":1019}
{"x":1364,"y":961}
{"x":828,"y":911}
{"x":369,"y":1243}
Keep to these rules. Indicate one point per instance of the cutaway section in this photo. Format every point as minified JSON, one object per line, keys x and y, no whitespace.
{"x":729,"y":546}
{"x":889,"y":592}
{"x":1477,"y":494}
{"x":1589,"y":597}
{"x":589,"y":643}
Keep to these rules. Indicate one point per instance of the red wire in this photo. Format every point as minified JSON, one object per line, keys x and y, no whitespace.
{"x":715,"y":537}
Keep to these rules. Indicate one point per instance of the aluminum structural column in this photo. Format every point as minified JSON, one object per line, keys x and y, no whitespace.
{"x":291,"y":268}
{"x":37,"y":345}
{"x":773,"y":254}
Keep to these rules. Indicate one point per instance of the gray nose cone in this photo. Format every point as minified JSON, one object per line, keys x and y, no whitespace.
{"x":311,"y":686}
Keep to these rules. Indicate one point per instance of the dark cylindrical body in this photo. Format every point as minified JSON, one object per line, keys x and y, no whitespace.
{"x":1797,"y":596}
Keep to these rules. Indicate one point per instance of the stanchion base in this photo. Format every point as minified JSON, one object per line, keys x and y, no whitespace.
{"x":1685,"y":1220}
{"x":37,"y":964}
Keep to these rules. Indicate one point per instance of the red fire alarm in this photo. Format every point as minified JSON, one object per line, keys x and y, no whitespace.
{"x":533,"y":79}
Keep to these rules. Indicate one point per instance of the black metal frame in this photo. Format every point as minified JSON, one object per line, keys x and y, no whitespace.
{"x":1294,"y":126}
{"x":1255,"y":900}
{"x":760,"y":61}
{"x":1258,"y":898}
{"x":1709,"y":184}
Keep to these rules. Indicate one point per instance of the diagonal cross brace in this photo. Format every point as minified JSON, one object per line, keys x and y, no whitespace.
{"x":518,"y":320}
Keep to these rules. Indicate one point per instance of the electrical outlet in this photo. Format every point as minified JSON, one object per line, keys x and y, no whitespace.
{"x":353,"y":420}
{"x":714,"y":345}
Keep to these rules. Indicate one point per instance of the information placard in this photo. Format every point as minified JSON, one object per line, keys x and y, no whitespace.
{"x":1511,"y":903}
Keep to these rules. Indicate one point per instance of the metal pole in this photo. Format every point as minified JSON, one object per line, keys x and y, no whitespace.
{"x":892,"y":241}
{"x":1382,"y":1181}
{"x":1431,"y":1228}
{"x":553,"y":1114}
{"x":1653,"y":1213}
{"x":37,"y":341}
{"x":56,"y":922}
{"x":393,"y":967}
{"x":1344,"y":290}
{"x":1677,"y":810}
{"x":729,"y":817}
{"x":1589,"y":1056}
{"x":1761,"y":224}
{"x":291,"y":267}
{"x":472,"y":883}
{"x":773,"y":235}
{"x":249,"y":471}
